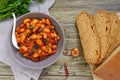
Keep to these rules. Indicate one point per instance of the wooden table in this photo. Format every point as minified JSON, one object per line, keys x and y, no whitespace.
{"x":65,"y":11}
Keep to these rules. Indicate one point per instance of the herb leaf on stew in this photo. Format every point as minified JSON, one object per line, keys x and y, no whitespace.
{"x":31,"y":27}
{"x":44,"y":41}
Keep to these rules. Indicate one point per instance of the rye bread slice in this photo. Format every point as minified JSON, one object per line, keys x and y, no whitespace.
{"x":89,"y":37}
{"x":102,"y":22}
{"x":114,"y":32}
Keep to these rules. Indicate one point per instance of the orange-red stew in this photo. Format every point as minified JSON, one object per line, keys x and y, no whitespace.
{"x":37,"y":39}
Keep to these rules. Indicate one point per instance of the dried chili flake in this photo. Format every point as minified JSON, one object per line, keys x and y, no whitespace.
{"x":66,"y":49}
{"x":66,"y":70}
{"x":68,"y":36}
{"x":66,"y":52}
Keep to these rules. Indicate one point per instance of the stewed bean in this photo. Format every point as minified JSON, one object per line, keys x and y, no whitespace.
{"x":37,"y":38}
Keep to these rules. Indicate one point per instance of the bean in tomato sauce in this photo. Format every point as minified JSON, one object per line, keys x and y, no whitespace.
{"x":37,"y":39}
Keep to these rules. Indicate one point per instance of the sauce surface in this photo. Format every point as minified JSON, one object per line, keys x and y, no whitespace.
{"x":37,"y":39}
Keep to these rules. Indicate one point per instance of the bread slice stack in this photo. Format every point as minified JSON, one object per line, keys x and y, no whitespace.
{"x":99,"y":34}
{"x":100,"y":38}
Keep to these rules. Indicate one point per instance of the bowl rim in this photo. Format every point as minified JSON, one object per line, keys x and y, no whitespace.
{"x":60,"y":53}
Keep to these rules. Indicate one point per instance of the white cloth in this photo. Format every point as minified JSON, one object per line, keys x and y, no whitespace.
{"x":20,"y":72}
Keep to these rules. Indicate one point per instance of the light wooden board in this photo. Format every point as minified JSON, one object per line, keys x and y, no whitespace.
{"x":65,"y":11}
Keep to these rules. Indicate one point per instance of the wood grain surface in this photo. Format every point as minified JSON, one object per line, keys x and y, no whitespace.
{"x":65,"y":11}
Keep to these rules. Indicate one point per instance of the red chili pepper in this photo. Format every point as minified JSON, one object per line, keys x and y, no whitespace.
{"x":66,"y":70}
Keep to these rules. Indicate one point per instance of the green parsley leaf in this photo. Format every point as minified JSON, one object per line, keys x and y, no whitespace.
{"x":31,"y":27}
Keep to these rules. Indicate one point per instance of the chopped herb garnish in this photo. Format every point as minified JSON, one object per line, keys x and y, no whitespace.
{"x":31,"y":27}
{"x":44,"y":41}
